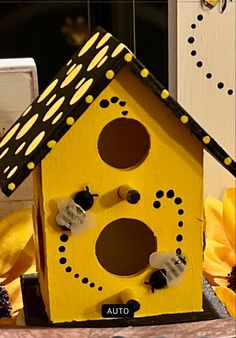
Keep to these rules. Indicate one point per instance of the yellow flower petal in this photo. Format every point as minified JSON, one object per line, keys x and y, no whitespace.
{"x":214,"y":221}
{"x":25,"y":261}
{"x":229,"y":215}
{"x":228,"y":298}
{"x":15,"y":231}
{"x":13,"y":285}
{"x":217,"y":259}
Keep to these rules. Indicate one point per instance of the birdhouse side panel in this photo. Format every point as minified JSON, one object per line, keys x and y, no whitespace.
{"x":39,"y":234}
{"x":132,"y":174}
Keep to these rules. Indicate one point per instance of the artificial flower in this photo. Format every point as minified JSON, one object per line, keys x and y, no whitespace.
{"x":16,"y":257}
{"x":219,"y":264}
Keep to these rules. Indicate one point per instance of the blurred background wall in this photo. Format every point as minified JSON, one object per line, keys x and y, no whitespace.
{"x":50,"y":32}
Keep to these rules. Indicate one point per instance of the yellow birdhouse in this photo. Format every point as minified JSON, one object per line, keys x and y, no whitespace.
{"x":118,"y":178}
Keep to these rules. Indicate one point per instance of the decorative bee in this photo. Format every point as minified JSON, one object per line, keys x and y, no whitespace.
{"x":72,"y":212}
{"x":85,"y":199}
{"x":157,"y":280}
{"x":170,"y":268}
{"x":210,"y":4}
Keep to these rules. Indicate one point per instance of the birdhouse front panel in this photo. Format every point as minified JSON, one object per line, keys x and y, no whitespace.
{"x":127,"y":143}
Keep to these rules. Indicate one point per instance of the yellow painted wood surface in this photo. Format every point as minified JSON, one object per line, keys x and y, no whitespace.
{"x":174,"y":162}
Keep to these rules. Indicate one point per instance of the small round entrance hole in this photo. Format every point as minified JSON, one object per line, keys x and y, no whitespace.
{"x":123,"y":143}
{"x":124,"y":246}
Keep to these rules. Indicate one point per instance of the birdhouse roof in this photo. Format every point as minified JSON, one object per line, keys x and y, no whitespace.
{"x":68,"y":96}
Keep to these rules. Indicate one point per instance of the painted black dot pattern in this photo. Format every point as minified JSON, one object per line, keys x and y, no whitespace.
{"x":180,"y":211}
{"x":61,"y":248}
{"x":62,"y":260}
{"x":199,"y":63}
{"x":114,"y":99}
{"x":156,"y":204}
{"x":64,"y":238}
{"x":200,"y":17}
{"x":191,"y":39}
{"x":105,"y":103}
{"x":220,"y":85}
{"x":159,"y":193}
{"x":178,"y":251}
{"x":170,"y":194}
{"x":122,"y":103}
{"x":178,"y":200}
{"x":179,"y":238}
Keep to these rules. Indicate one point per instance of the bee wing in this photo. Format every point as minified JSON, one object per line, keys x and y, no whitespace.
{"x":89,"y":221}
{"x":62,"y":218}
{"x":174,"y":274}
{"x":173,"y":282}
{"x":69,"y":215}
{"x":62,"y":203}
{"x":158,"y":259}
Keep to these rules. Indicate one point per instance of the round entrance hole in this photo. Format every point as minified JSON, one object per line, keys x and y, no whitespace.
{"x":124,"y":246}
{"x":123,"y":143}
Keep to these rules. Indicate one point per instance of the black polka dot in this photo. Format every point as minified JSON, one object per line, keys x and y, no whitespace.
{"x":170,"y":194}
{"x":159,"y":194}
{"x":85,"y":280}
{"x":114,"y":99}
{"x":208,"y":75}
{"x":124,"y":112}
{"x":68,"y":269}
{"x":62,"y":260}
{"x":179,"y":238}
{"x":61,"y":248}
{"x":191,"y":39}
{"x":199,"y":64}
{"x":100,"y":288}
{"x":200,"y":17}
{"x":64,"y":238}
{"x":178,"y":251}
{"x":122,"y":103}
{"x":193,"y":52}
{"x":92,"y":285}
{"x":156,"y":204}
{"x":104,"y":103}
{"x":193,"y":26}
{"x":76,"y":275}
{"x":180,"y":223}
{"x":230,"y":92}
{"x":220,"y":85}
{"x":178,"y":200}
{"x":180,"y":212}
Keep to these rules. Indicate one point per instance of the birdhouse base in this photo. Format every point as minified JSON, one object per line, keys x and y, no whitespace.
{"x":35,"y":314}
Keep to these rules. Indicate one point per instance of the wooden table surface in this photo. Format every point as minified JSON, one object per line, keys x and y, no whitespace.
{"x":224,"y":328}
